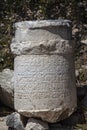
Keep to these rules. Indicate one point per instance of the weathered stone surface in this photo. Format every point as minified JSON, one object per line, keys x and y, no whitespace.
{"x":36,"y":124}
{"x":6,"y":87}
{"x":42,"y":47}
{"x":42,"y":24}
{"x":44,"y":91}
{"x":3,"y":123}
{"x":44,"y":70}
{"x":14,"y":121}
{"x":42,"y":37}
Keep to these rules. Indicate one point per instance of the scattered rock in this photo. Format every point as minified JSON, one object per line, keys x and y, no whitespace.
{"x":14,"y":121}
{"x":6,"y":87}
{"x":36,"y":124}
{"x":81,"y":92}
{"x":3,"y":123}
{"x":84,"y":66}
{"x":77,"y":73}
{"x":75,"y":31}
{"x":84,"y":41}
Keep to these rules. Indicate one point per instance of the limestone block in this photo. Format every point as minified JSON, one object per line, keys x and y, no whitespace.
{"x":44,"y":73}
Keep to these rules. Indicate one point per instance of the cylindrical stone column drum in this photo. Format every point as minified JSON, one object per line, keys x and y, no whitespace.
{"x":44,"y":74}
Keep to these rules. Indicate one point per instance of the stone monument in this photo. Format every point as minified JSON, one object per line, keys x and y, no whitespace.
{"x":44,"y":73}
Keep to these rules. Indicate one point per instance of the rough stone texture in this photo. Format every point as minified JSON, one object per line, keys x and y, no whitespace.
{"x":35,"y":124}
{"x":47,"y":92}
{"x":6,"y":87}
{"x":42,"y":24}
{"x":14,"y":121}
{"x":44,"y":70}
{"x":42,"y":37}
{"x":3,"y":123}
{"x":44,"y":47}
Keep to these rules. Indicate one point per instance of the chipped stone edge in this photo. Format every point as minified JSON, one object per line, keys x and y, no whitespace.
{"x":45,"y":47}
{"x":42,"y":23}
{"x":54,"y":114}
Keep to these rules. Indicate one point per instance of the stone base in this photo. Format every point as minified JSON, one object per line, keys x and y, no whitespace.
{"x":51,"y":116}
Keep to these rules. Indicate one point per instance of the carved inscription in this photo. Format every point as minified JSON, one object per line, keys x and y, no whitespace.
{"x":41,"y":80}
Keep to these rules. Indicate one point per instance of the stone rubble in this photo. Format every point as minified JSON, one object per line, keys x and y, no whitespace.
{"x":36,"y":124}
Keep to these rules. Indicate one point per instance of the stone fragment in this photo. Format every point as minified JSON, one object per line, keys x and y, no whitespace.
{"x":14,"y":121}
{"x":44,"y":77}
{"x":36,"y":124}
{"x":77,"y":73}
{"x":3,"y":123}
{"x":84,"y":41}
{"x":6,"y":87}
